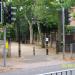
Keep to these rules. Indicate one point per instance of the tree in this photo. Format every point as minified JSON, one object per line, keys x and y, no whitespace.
{"x":26,"y":12}
{"x":46,"y":10}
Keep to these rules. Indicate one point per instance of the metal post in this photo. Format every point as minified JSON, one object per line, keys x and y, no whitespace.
{"x":63,"y":23}
{"x":19,"y":43}
{"x":71,"y":45}
{"x":56,"y":73}
{"x":61,"y":73}
{"x":70,"y":72}
{"x":46,"y":47}
{"x":34,"y":50}
{"x":66,"y":72}
{"x":4,"y":50}
{"x":47,"y":51}
{"x":51,"y":73}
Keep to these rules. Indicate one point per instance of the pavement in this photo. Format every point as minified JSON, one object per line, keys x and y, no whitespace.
{"x":29,"y":64}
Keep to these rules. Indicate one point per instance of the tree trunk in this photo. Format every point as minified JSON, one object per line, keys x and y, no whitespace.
{"x":31,"y":34}
{"x":50,"y":40}
{"x":16,"y":33}
{"x":59,"y":34}
{"x":43,"y":40}
{"x":30,"y":29}
{"x":39,"y":32}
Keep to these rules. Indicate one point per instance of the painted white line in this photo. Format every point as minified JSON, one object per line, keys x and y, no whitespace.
{"x":56,"y":72}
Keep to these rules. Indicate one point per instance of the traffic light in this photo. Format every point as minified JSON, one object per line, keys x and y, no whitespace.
{"x":11,"y":14}
{"x":0,"y":12}
{"x":67,"y":17}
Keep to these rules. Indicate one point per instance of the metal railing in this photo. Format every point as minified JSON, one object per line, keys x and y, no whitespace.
{"x":71,"y":49}
{"x":61,"y":72}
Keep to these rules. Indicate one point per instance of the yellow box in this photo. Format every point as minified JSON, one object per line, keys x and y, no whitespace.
{"x":6,"y":44}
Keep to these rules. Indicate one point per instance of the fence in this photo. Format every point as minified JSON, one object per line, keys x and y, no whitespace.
{"x":62,"y":72}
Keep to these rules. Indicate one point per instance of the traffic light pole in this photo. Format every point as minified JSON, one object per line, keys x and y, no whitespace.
{"x":4,"y":50}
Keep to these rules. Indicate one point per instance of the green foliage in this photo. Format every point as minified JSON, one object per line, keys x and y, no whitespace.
{"x":73,"y":15}
{"x":1,"y":35}
{"x":44,"y":10}
{"x":70,"y":29}
{"x":10,"y":32}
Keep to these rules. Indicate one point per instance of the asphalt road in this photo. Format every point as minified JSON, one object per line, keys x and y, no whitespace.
{"x":39,"y":70}
{"x":39,"y":59}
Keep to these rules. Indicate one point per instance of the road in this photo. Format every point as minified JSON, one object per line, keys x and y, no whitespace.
{"x":36,"y":71}
{"x":38,"y":64}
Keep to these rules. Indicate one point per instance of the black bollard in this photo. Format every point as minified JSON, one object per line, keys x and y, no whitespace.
{"x":46,"y":46}
{"x":34,"y":51}
{"x":47,"y":51}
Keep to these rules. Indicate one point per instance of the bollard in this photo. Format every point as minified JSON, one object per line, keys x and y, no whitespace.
{"x":66,"y":72}
{"x":9,"y":49}
{"x":61,"y":73}
{"x":71,"y":50}
{"x":34,"y":51}
{"x":70,"y":72}
{"x":47,"y":51}
{"x":46,"y":46}
{"x":56,"y":73}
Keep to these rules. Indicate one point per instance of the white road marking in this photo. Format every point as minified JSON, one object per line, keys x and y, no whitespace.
{"x":56,"y":72}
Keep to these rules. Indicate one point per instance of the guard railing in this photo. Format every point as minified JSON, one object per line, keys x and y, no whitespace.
{"x":62,"y":72}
